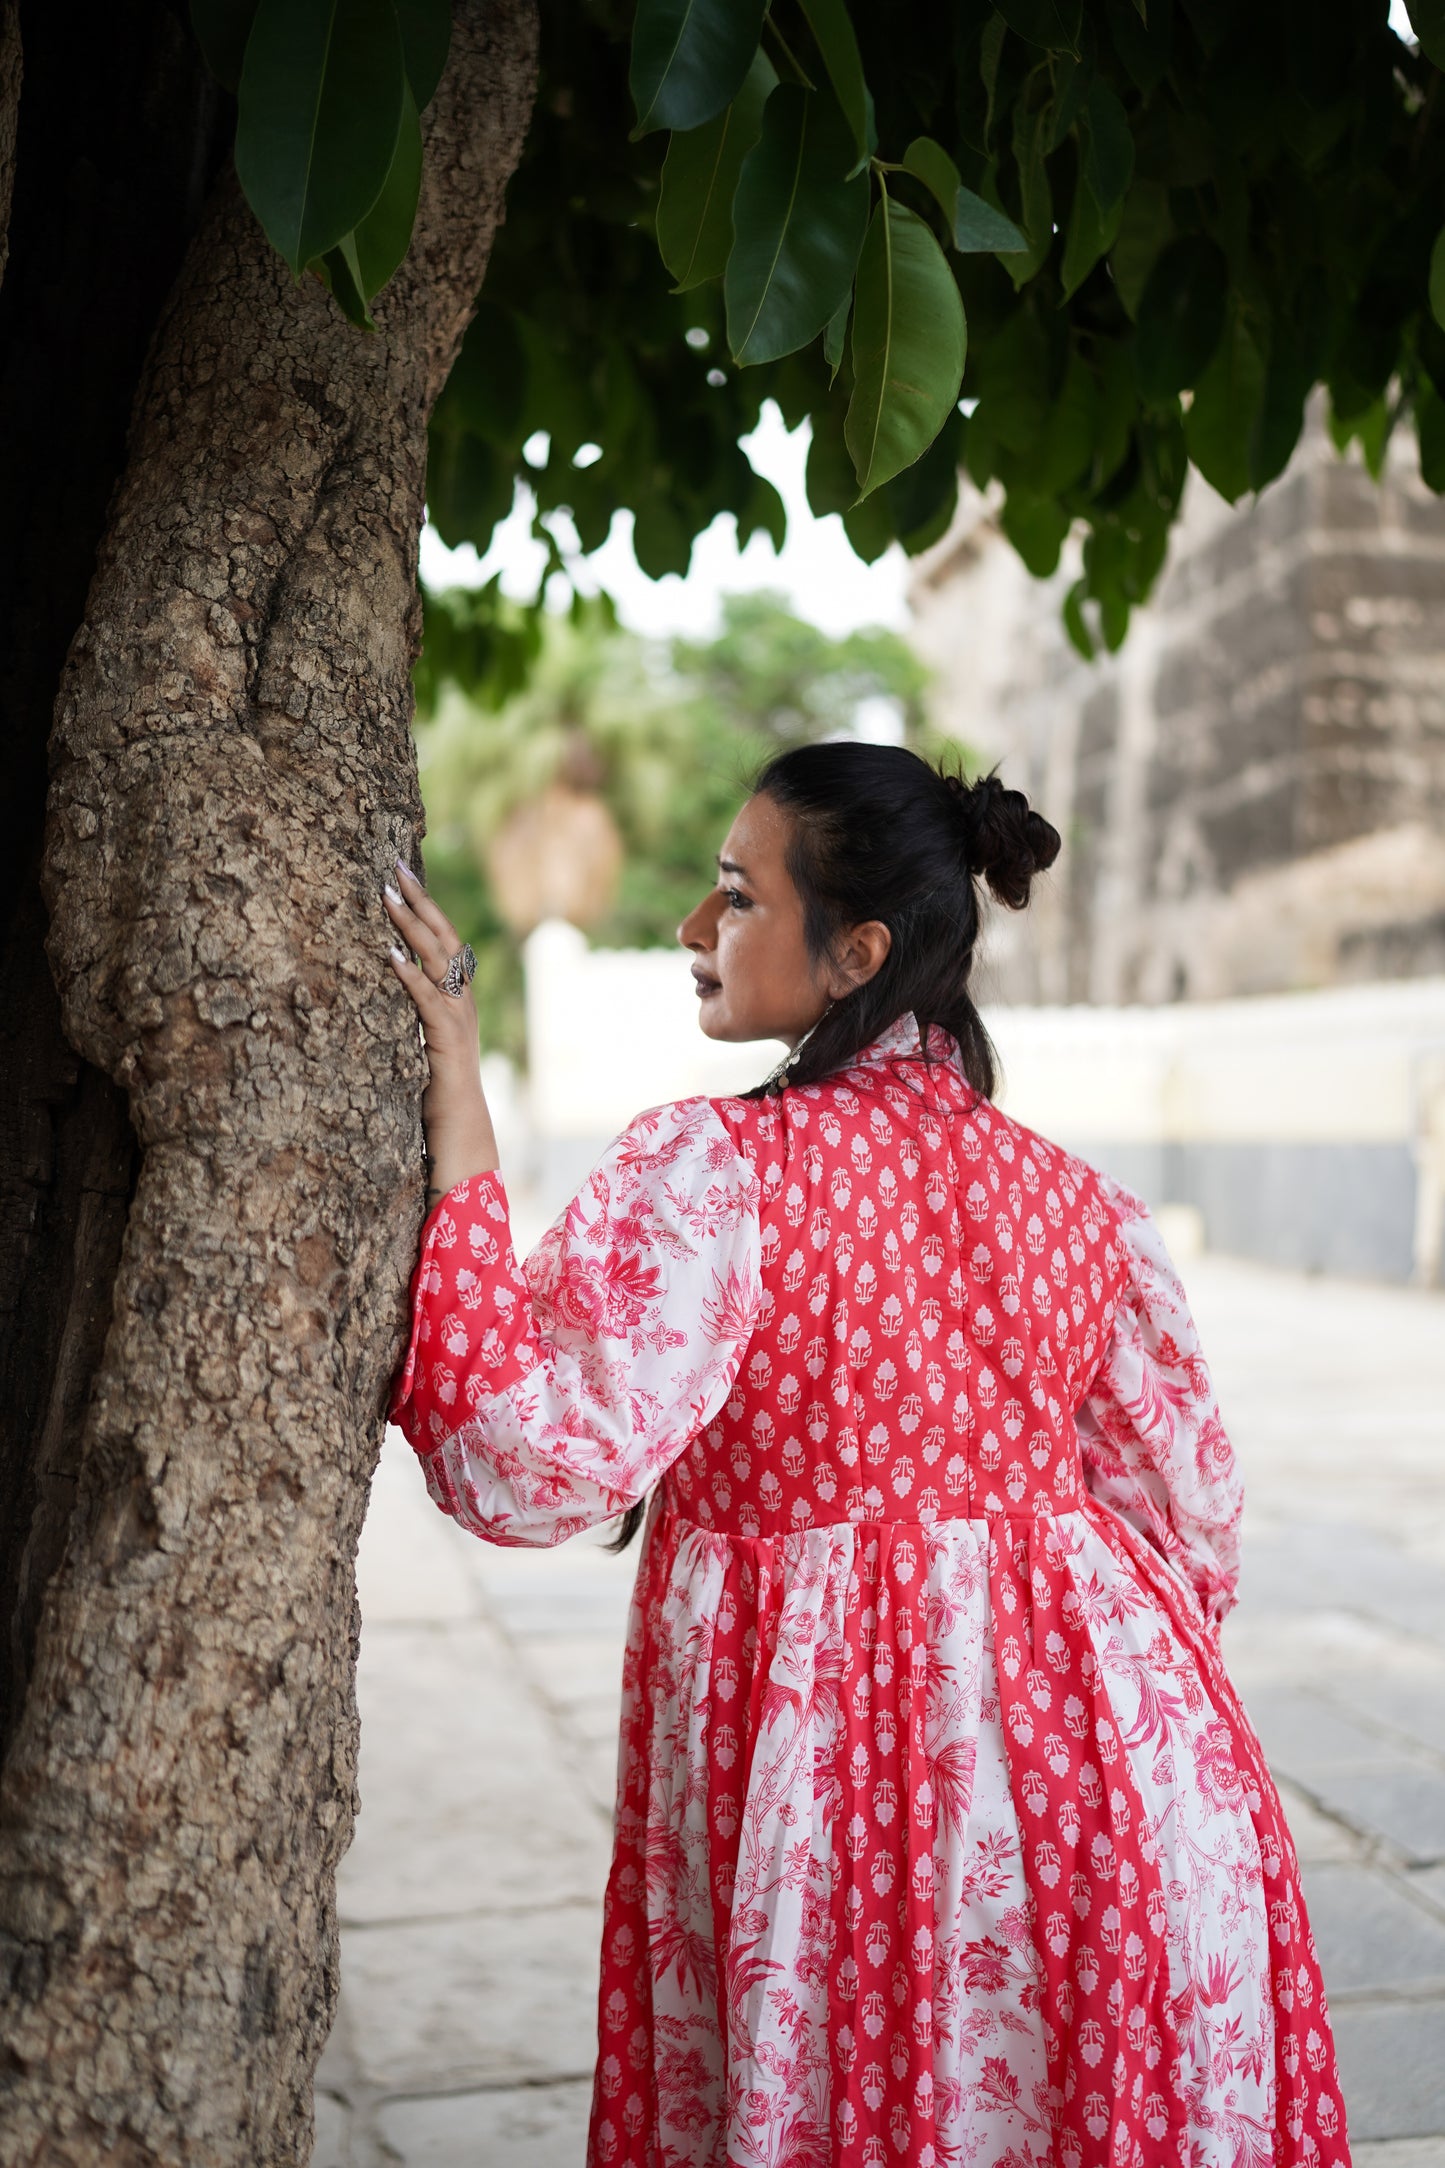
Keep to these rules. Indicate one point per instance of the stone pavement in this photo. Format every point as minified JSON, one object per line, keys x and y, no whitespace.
{"x":470,"y":1900}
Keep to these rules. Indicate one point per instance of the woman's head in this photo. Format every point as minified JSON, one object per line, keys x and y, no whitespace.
{"x":847,"y":897}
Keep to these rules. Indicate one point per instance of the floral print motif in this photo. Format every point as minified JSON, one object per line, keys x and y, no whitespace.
{"x":546,"y":1399}
{"x":941,"y":1836}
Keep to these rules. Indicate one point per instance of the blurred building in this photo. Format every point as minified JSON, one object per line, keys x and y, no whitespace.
{"x":1252,"y":793}
{"x":1252,"y":801}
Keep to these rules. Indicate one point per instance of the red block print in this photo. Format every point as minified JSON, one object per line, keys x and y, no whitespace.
{"x":941,"y":1837}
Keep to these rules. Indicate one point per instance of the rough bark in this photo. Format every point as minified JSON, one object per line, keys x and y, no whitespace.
{"x":232,"y":774}
{"x":114,"y":159}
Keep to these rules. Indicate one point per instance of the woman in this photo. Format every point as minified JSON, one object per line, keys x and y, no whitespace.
{"x":940,"y":1836}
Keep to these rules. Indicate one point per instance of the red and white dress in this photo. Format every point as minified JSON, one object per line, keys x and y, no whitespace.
{"x":941,"y":1837}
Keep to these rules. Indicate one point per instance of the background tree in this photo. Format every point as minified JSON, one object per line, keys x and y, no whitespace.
{"x":211,"y":482}
{"x":666,"y":738}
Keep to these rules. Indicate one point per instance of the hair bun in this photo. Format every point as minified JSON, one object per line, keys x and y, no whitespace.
{"x":1005,"y":840}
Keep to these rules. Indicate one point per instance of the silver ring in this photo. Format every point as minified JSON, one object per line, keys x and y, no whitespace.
{"x":459,"y":972}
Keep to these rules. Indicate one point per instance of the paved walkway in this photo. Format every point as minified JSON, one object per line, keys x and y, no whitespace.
{"x":489,"y":1680}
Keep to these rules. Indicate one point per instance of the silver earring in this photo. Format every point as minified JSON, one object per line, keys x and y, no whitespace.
{"x":788,"y":1060}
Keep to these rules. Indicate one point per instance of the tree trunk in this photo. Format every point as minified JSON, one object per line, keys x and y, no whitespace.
{"x":233,"y":772}
{"x":113,"y":159}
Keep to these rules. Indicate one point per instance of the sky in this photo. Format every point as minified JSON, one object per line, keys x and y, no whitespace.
{"x":816,"y":570}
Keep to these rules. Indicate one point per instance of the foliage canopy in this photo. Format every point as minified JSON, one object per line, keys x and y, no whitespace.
{"x":1070,"y":245}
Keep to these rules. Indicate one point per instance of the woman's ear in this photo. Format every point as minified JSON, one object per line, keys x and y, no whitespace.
{"x":861,"y":955}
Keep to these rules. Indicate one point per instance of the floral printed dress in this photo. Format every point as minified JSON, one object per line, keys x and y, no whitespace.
{"x":941,"y":1837}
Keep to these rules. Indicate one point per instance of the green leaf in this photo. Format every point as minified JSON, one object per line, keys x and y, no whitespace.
{"x":974,"y":227}
{"x":468,"y":488}
{"x":1074,"y":624}
{"x":1373,"y":430}
{"x":869,"y":528}
{"x":1437,"y":279}
{"x":1037,"y":528}
{"x":1113,"y":362}
{"x":384,"y":235}
{"x":832,"y":27}
{"x":340,"y":273}
{"x":1036,"y":198}
{"x":487,"y":391}
{"x":922,"y":499}
{"x":1109,"y":150}
{"x":763,"y":512}
{"x":1299,"y":342}
{"x":1113,"y":618}
{"x":834,"y":336}
{"x":1090,"y":236}
{"x":1071,"y":78}
{"x":661,"y":539}
{"x":319,"y":112}
{"x":426,"y":36}
{"x":1218,"y":426}
{"x":798,"y":226}
{"x":1145,"y":44}
{"x":979,"y":228}
{"x":909,"y":344}
{"x":690,"y":59}
{"x":222,"y":28}
{"x":1066,"y":443}
{"x":1053,"y":24}
{"x":930,"y":163}
{"x":699,"y":175}
{"x":1430,"y":431}
{"x":1181,"y":316}
{"x":828,"y":477}
{"x":1145,"y":225}
{"x":1427,"y":20}
{"x":1012,"y":368}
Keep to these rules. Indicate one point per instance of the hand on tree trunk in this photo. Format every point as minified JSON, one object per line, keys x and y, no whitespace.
{"x":459,"y":1138}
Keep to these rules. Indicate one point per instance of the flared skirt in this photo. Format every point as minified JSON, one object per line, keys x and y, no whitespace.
{"x":941,"y":1844}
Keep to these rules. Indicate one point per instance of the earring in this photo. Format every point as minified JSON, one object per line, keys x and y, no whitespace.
{"x":788,"y":1060}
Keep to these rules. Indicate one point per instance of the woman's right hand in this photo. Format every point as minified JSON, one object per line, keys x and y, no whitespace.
{"x":460,"y":1140}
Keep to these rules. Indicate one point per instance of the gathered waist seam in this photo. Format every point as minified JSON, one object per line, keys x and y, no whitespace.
{"x":676,"y":1514}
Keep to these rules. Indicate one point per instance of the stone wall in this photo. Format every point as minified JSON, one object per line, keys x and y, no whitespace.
{"x":1252,"y":794}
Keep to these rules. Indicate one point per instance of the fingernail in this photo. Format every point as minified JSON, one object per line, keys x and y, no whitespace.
{"x":406,"y":869}
{"x":398,"y":956}
{"x":393,"y":895}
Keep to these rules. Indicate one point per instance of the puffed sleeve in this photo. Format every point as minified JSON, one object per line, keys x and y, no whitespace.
{"x":1153,"y":1445}
{"x":546,"y":1397}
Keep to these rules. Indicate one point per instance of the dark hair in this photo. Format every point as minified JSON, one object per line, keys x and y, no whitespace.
{"x":877,"y":833}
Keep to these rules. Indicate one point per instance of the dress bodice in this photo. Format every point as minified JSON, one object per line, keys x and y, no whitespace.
{"x":937,"y":1287}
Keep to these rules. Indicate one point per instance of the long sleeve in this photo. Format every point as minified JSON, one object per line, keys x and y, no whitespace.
{"x":546,"y":1397}
{"x":1153,"y":1445}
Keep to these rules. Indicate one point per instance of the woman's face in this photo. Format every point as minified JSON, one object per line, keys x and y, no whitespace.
{"x":754,"y":976}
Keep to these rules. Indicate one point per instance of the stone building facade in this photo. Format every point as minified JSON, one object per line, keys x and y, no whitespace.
{"x":1252,"y":800}
{"x":1252,"y":794}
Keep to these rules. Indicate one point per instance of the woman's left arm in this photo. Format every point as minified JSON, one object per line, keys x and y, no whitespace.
{"x":459,"y":1137}
{"x":545,"y":1398}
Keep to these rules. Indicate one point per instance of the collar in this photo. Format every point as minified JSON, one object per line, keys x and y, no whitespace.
{"x":902,"y":1041}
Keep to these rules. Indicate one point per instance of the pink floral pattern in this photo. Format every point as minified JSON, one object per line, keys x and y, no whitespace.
{"x":546,"y":1398}
{"x":941,"y":1836}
